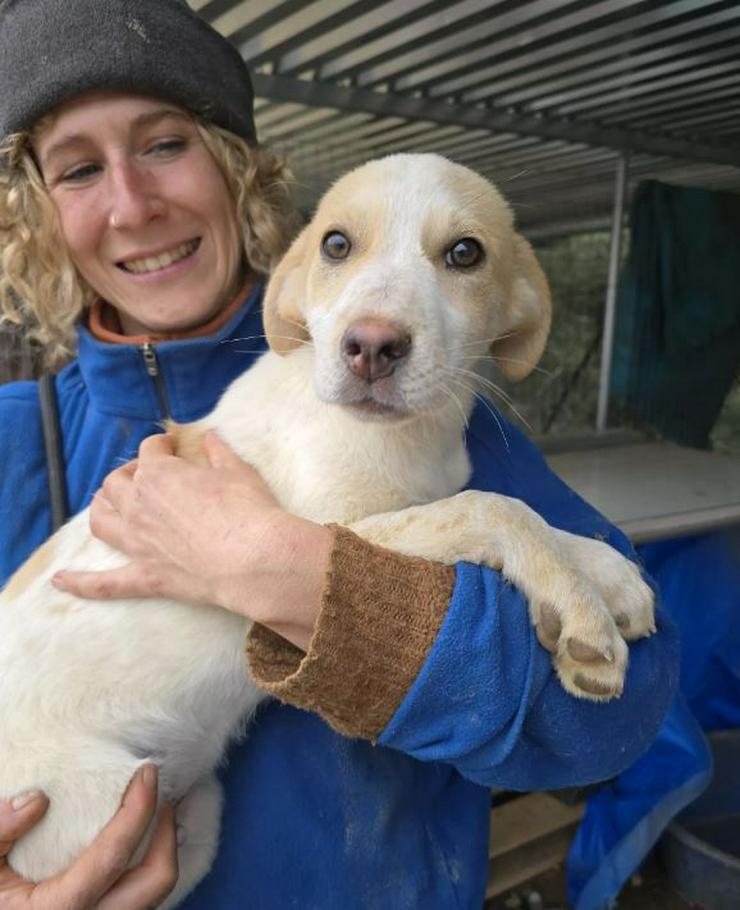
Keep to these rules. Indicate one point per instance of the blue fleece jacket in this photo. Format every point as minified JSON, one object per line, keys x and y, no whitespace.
{"x":313,"y":820}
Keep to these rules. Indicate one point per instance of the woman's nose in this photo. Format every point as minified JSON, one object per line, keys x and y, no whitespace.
{"x":134,"y":198}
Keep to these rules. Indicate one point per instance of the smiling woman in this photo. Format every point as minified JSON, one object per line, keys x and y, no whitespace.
{"x":134,"y":200}
{"x":144,"y":211}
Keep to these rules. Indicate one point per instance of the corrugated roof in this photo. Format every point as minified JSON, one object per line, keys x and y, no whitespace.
{"x":540,"y":95}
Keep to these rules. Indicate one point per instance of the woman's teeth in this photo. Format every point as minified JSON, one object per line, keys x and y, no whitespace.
{"x":155,"y":263}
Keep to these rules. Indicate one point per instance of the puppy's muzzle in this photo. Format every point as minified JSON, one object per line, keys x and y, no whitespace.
{"x":373,"y":348}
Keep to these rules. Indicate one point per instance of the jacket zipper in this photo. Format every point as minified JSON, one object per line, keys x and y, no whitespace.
{"x":152,"y":368}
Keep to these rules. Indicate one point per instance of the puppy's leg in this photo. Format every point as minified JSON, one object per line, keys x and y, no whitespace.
{"x":566,"y":600}
{"x":83,"y":797}
{"x":198,"y":822}
{"x":82,"y":803}
{"x":629,"y":599}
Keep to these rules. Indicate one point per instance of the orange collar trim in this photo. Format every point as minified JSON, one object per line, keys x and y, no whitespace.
{"x":105,"y":325}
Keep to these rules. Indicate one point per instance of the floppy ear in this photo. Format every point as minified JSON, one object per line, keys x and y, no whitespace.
{"x":282,"y":309}
{"x":525,"y":331}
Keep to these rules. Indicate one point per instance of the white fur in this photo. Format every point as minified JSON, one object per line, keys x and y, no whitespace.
{"x":89,"y":691}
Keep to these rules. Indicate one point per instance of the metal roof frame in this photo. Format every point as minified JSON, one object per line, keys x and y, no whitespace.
{"x":544,"y":94}
{"x":550,"y":97}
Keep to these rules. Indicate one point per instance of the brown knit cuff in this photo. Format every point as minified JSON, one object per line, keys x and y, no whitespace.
{"x":380,"y":615}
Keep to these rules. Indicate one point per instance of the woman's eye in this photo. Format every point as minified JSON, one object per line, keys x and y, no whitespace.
{"x":166,"y":147}
{"x":79,"y":174}
{"x":336,"y":245}
{"x":464,"y":253}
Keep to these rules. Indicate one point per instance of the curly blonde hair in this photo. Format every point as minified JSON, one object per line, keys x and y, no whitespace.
{"x":41,"y":291}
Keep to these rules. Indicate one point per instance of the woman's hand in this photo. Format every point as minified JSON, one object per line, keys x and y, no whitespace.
{"x":100,"y":878}
{"x":208,"y":534}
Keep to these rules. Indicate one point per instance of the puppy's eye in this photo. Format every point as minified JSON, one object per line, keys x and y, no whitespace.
{"x":464,"y":254}
{"x":335,"y":245}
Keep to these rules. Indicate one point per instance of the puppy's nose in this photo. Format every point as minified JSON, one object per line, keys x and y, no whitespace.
{"x":372,"y":349}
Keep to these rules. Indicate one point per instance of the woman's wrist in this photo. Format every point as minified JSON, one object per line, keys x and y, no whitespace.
{"x":295,"y":577}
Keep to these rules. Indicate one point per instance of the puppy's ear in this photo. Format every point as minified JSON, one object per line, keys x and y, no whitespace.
{"x":522,"y":339}
{"x":283,"y":306}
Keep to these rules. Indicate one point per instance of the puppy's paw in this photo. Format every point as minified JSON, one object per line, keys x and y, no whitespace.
{"x":198,"y":819}
{"x":588,"y":651}
{"x":628,"y":598}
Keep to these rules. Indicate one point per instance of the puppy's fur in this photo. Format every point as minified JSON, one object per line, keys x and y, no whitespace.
{"x":88,"y":692}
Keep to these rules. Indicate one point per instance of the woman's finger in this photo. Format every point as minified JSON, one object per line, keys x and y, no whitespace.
{"x":100,"y":866}
{"x":106,"y":523}
{"x":218,"y":452}
{"x":221,"y":456}
{"x":148,"y":883}
{"x":132,"y":580}
{"x":17,"y":816}
{"x":117,"y":484}
{"x":141,"y":579}
{"x":157,"y":445}
{"x":111,"y":584}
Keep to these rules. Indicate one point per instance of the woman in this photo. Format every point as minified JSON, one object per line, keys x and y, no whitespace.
{"x":136,"y":208}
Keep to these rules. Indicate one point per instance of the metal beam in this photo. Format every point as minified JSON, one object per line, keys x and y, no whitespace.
{"x":572,"y":47}
{"x":324,"y":94}
{"x":607,"y":339}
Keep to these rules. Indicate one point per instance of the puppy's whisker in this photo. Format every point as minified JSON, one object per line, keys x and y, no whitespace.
{"x":486,"y":403}
{"x":497,"y":390}
{"x":298,"y":325}
{"x":495,"y":357}
{"x":476,"y":377}
{"x":535,"y":369}
{"x":301,"y":342}
{"x":516,"y":176}
{"x":488,"y":406}
{"x":477,"y":357}
{"x":242,"y":338}
{"x":470,"y":344}
{"x":457,"y":401}
{"x":257,"y":337}
{"x":488,"y":383}
{"x":471,"y":200}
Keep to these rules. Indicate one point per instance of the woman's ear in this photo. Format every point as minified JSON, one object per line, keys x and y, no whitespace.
{"x":282,"y":309}
{"x":524,"y":333}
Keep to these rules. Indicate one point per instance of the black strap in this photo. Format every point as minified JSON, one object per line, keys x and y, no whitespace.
{"x":54,"y":454}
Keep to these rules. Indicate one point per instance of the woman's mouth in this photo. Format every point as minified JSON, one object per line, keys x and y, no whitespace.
{"x":149,"y":264}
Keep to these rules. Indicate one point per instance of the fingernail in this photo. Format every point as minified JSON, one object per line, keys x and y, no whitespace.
{"x":23,"y":799}
{"x":149,"y":776}
{"x":57,"y":579}
{"x":181,"y":835}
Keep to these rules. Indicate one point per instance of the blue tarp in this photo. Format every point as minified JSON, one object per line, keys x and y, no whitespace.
{"x":677,"y":349}
{"x":699,"y":578}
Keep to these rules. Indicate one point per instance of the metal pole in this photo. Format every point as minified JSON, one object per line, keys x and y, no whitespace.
{"x":615,"y":246}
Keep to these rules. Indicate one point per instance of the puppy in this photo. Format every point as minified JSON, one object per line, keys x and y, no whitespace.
{"x":410,"y":267}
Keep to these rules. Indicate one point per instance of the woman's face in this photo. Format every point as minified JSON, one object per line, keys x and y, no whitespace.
{"x":144,"y":209}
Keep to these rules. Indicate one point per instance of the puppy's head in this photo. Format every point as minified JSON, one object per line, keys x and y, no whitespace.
{"x":409,"y":270}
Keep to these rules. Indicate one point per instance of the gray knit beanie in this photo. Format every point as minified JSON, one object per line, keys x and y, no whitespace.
{"x":54,"y":50}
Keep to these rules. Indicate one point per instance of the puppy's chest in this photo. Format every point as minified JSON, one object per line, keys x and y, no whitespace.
{"x":321,"y":461}
{"x":343,"y":474}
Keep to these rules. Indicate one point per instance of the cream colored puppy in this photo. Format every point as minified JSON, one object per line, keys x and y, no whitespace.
{"x":410,"y":266}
